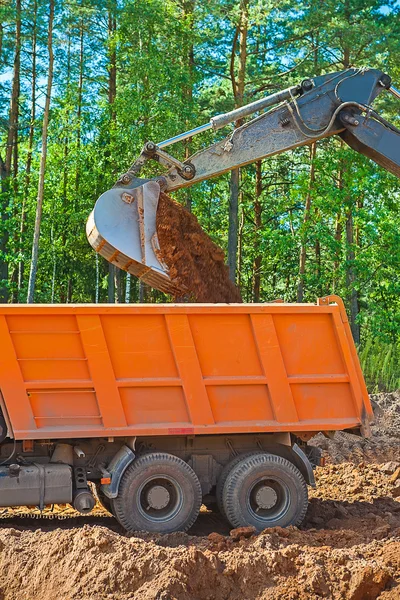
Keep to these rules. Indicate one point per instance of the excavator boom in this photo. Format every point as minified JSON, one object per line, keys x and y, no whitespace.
{"x":123,"y":224}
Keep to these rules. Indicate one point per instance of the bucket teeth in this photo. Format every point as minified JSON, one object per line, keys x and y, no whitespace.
{"x":122,"y":228}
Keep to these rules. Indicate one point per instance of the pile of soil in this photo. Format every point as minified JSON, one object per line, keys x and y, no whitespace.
{"x":96,"y":563}
{"x":382,"y":446}
{"x":348,"y":548}
{"x":195,"y":263}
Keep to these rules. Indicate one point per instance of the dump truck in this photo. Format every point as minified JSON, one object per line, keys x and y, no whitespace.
{"x":164,"y":407}
{"x":160,"y":408}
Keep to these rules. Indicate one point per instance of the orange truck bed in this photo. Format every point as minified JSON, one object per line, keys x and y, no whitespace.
{"x":117,"y":370}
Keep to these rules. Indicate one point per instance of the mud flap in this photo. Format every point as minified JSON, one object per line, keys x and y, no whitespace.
{"x":3,"y":427}
{"x":117,"y":467}
{"x":306,"y":464}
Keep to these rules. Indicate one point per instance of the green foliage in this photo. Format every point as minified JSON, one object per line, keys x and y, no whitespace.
{"x":380,"y":364}
{"x":174,"y":62}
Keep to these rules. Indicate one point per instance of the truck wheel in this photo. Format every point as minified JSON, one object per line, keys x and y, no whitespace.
{"x":223,"y":477}
{"x":265,"y":490}
{"x":159,"y":493}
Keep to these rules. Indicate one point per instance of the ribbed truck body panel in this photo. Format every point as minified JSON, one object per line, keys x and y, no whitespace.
{"x":117,"y":370}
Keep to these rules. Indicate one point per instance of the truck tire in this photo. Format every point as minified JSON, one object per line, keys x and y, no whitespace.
{"x":263,"y":491}
{"x":223,"y":477}
{"x":158,"y":493}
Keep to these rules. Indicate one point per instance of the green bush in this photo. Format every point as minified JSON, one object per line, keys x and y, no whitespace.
{"x":380,"y":363}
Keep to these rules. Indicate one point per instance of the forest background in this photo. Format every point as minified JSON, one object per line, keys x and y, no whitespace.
{"x":84,"y":83}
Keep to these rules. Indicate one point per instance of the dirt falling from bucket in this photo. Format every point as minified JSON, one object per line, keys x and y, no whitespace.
{"x":194,"y":261}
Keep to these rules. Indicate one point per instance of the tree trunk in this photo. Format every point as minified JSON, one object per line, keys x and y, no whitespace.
{"x":79,"y":106}
{"x":143,"y":292}
{"x":351,"y":277}
{"x":43,"y":158}
{"x":240,"y":250}
{"x":257,"y":229}
{"x":28,"y":164}
{"x":6,"y":165}
{"x":238,"y":92}
{"x":119,"y":291}
{"x":13,"y":117}
{"x":54,"y":258}
{"x":69,"y":290}
{"x":338,"y":240}
{"x":233,"y":223}
{"x":352,"y":293}
{"x":97,"y":286}
{"x":128,"y":281}
{"x":318,"y":263}
{"x":66,"y":260}
{"x":112,"y":91}
{"x":111,"y":284}
{"x":15,"y":246}
{"x":188,"y":15}
{"x":306,"y":218}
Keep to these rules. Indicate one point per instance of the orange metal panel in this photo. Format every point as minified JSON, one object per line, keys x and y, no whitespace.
{"x":274,"y":368}
{"x":12,"y":384}
{"x":225,"y":345}
{"x":308,"y":344}
{"x":323,"y":401}
{"x":189,"y":369}
{"x":240,"y":404}
{"x":356,"y":375}
{"x":155,"y":405}
{"x":29,"y":318}
{"x":139,"y":345}
{"x":102,"y":373}
{"x":355,"y":388}
{"x":62,"y":408}
{"x":79,"y":430}
{"x":108,"y":370}
{"x":41,"y":371}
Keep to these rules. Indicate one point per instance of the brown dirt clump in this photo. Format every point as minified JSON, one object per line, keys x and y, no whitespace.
{"x":195,"y":263}
{"x":95,"y":563}
{"x":348,"y":548}
{"x":382,"y":446}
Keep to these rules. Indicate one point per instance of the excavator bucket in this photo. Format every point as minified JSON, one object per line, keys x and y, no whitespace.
{"x":122,"y":228}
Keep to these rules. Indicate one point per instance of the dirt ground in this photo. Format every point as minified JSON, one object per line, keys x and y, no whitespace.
{"x":383,"y":445}
{"x":347,"y":548}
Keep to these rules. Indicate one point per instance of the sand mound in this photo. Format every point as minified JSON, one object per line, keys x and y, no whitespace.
{"x":96,"y":563}
{"x":348,"y":548}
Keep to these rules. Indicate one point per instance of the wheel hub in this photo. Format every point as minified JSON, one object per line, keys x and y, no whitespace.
{"x":158,"y":497}
{"x":266,"y":497}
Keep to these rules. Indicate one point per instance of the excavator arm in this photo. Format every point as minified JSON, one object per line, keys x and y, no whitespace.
{"x":122,"y":226}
